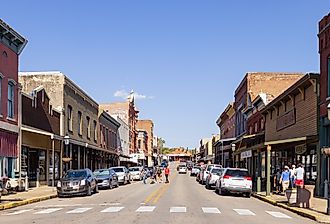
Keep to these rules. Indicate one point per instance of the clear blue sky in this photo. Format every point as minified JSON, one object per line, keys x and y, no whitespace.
{"x":184,"y":57}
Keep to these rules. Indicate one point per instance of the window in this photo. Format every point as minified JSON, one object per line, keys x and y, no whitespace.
{"x":70,"y":118}
{"x":256,"y":127}
{"x":1,"y":93}
{"x":11,"y":95}
{"x":329,"y":76}
{"x":88,"y":127}
{"x":107,"y":138}
{"x":95,"y":131}
{"x":79,"y":123}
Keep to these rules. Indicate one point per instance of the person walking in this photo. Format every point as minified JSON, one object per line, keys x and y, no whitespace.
{"x":145,"y":176}
{"x":285,"y":179}
{"x":167,"y":173}
{"x":299,"y":174}
{"x":278,"y":181}
{"x":159,"y":174}
{"x":293,"y":176}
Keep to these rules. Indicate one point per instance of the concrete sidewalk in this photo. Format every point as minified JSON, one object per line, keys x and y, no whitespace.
{"x":27,"y":197}
{"x":316,"y":212}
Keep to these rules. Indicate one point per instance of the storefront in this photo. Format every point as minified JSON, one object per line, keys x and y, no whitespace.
{"x":8,"y":153}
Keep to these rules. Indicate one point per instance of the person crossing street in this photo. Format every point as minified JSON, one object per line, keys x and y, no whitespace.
{"x":167,"y":173}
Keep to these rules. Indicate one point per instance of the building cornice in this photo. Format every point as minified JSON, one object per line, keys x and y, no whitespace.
{"x":11,"y":38}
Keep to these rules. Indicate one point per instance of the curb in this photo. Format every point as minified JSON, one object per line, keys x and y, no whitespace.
{"x":291,"y":209}
{"x":26,"y":202}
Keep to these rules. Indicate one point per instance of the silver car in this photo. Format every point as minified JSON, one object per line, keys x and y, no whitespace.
{"x":124,"y":177}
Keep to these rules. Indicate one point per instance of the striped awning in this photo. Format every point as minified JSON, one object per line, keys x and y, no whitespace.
{"x":8,"y":144}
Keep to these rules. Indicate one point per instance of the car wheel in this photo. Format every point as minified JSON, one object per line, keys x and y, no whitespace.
{"x":89,"y":191}
{"x":248,"y":195}
{"x":216,"y":190}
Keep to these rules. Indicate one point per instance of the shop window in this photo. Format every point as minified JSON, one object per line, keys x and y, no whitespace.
{"x":79,"y":123}
{"x":70,"y":118}
{"x":329,"y":76}
{"x":11,"y":96}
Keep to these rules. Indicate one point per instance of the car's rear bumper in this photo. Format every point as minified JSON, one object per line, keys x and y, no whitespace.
{"x":237,"y":189}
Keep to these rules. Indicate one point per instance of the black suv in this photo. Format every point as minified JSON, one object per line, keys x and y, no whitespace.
{"x":77,"y":182}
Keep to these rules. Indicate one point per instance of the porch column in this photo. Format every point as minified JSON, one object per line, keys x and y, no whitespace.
{"x":268,"y":189}
{"x":79,"y":165}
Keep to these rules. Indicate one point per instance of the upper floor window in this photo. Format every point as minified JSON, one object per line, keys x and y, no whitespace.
{"x":1,"y":77}
{"x":80,"y":123}
{"x":69,"y":118}
{"x":88,"y":127}
{"x":95,"y":131}
{"x":11,"y":97}
{"x":329,"y":76}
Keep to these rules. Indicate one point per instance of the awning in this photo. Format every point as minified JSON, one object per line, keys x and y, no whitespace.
{"x":41,"y":132}
{"x":8,"y":144}
{"x":286,"y":141}
{"x":222,"y":141}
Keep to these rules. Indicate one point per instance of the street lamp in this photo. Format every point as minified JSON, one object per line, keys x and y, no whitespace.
{"x":233,"y":148}
{"x":66,"y":143}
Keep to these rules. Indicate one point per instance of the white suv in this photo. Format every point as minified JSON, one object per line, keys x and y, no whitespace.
{"x":182,"y":169}
{"x":207,"y":170}
{"x":234,"y":180}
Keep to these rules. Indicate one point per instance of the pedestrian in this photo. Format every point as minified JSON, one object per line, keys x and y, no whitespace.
{"x":145,"y":176}
{"x":167,"y":173}
{"x":299,"y":174}
{"x":285,"y":178}
{"x":159,"y":174}
{"x":293,"y":176}
{"x":278,"y":181}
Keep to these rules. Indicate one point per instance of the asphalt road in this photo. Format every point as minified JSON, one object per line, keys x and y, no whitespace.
{"x":181,"y":201}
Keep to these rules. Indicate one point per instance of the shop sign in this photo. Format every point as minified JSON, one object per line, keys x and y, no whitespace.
{"x":286,"y":120}
{"x":246,"y":154}
{"x":301,"y":149}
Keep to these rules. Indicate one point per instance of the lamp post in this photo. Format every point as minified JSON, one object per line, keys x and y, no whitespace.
{"x":66,"y":143}
{"x":233,"y":147}
{"x":326,"y":152}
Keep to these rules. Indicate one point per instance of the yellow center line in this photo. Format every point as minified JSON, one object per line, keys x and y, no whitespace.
{"x":164,"y":189}
{"x":149,"y":198}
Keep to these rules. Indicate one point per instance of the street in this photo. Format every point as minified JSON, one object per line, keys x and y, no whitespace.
{"x":181,"y":201}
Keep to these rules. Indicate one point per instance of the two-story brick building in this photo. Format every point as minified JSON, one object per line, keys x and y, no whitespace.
{"x":79,"y":118}
{"x":11,"y":45}
{"x":324,"y":51}
{"x":148,"y":126}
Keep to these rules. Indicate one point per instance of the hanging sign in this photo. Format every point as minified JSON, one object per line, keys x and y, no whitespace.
{"x":301,"y":149}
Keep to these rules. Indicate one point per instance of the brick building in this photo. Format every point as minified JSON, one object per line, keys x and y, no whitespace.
{"x":129,"y":114}
{"x":324,"y":51}
{"x":11,"y":45}
{"x":148,"y":126}
{"x":41,"y":140}
{"x":223,"y":147}
{"x":79,"y":118}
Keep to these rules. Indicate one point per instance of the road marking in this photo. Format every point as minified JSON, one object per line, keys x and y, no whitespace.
{"x":178,"y":210}
{"x":278,"y":215}
{"x":154,"y":193}
{"x":79,"y":210}
{"x":48,"y":211}
{"x":146,"y":209}
{"x":18,"y":212}
{"x":211,"y":211}
{"x":112,"y":210}
{"x":244,"y":212}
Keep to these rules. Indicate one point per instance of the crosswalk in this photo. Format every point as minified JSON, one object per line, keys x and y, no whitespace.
{"x":143,"y":209}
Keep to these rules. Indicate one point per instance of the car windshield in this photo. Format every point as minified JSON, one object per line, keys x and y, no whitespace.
{"x":134,"y":169}
{"x":216,"y":171}
{"x":182,"y":166}
{"x":118,"y":170}
{"x":237,"y":173}
{"x":102,"y":172}
{"x":75,"y":174}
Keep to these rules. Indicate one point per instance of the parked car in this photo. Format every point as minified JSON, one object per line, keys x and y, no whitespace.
{"x":124,"y":177}
{"x":234,"y":180}
{"x":106,"y":178}
{"x":195,"y":170}
{"x":136,"y":172}
{"x":77,"y":182}
{"x":213,"y":176}
{"x":206,"y":172}
{"x":182,"y":169}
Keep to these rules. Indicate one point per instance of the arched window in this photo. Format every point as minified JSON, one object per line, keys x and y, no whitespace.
{"x":4,"y":54}
{"x":69,"y":118}
{"x":11,"y":98}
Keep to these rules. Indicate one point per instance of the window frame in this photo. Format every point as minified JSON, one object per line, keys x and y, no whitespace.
{"x":95,"y":131}
{"x":328,"y":73}
{"x":88,"y":127}
{"x":11,"y":111}
{"x":69,"y":118}
{"x":80,"y":123}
